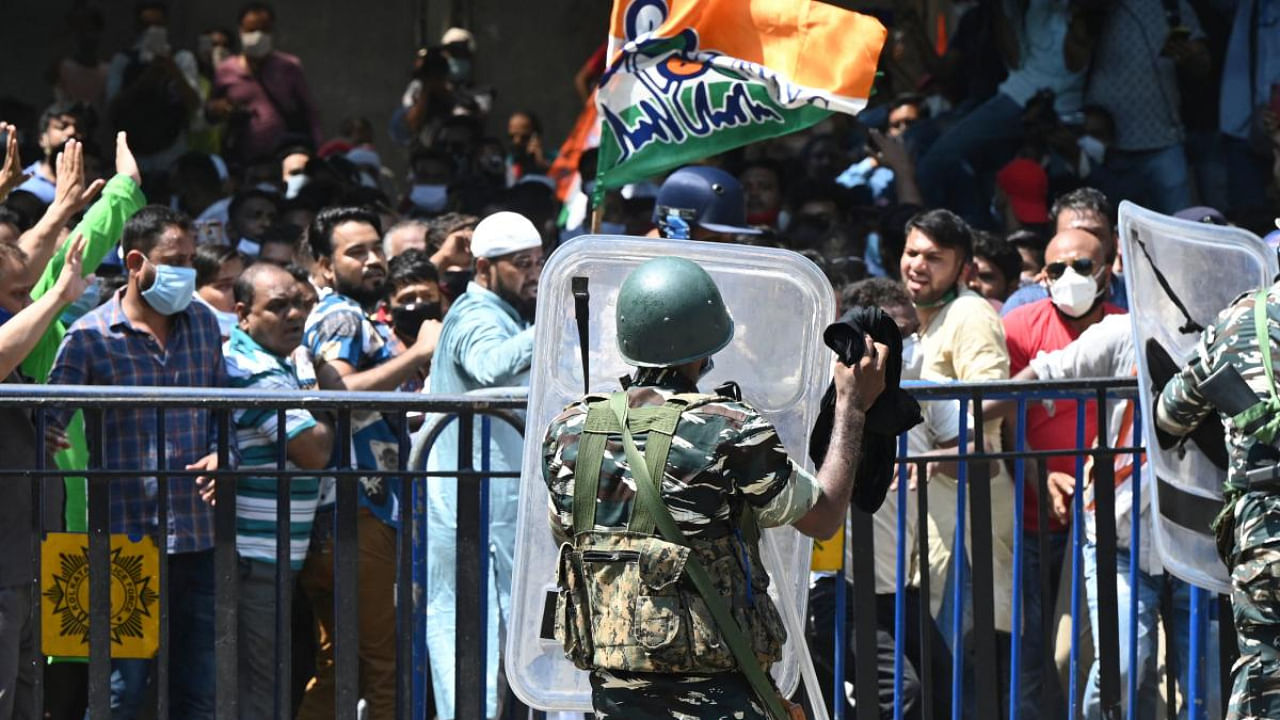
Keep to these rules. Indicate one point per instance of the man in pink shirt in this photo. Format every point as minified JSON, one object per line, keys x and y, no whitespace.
{"x":1078,"y":277}
{"x":261,"y":93}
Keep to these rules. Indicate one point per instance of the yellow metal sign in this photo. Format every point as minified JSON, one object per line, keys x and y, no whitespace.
{"x":135,"y":596}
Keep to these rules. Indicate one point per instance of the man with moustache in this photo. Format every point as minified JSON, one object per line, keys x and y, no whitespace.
{"x":353,"y":351}
{"x":271,"y":305}
{"x":487,"y":342}
{"x":961,"y":339}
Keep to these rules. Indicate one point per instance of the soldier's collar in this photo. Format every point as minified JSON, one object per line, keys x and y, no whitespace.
{"x":665,"y":378}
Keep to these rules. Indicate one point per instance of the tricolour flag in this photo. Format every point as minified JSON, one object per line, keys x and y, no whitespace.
{"x":692,"y":78}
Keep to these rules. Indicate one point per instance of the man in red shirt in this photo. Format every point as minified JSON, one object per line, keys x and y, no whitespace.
{"x":1078,"y":277}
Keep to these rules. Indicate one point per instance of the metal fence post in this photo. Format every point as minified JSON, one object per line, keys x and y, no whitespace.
{"x":226,"y":565}
{"x":958,"y":563}
{"x":284,"y":574}
{"x":1108,"y":651}
{"x":1015,"y":615}
{"x":470,"y":668}
{"x":346,"y":551}
{"x":987,"y":669}
{"x":99,"y":488}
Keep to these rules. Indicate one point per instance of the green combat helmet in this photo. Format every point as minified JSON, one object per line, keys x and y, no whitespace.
{"x":669,"y":313}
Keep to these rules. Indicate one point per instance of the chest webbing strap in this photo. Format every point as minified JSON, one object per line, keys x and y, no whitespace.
{"x":659,"y":425}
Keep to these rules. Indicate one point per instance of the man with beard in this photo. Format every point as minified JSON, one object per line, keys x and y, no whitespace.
{"x":353,"y":351}
{"x":487,"y":342}
{"x":961,"y":339}
{"x":1078,"y":279}
{"x":59,"y":123}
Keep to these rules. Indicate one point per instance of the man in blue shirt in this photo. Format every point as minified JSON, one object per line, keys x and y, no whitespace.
{"x":272,"y":307}
{"x":59,"y":123}
{"x":353,"y":351}
{"x":487,"y":342}
{"x":151,"y":334}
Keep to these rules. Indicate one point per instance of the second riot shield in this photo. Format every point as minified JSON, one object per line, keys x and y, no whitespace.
{"x":1179,"y":276}
{"x":780,"y":302}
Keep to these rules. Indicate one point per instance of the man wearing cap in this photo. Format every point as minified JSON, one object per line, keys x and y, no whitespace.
{"x":701,"y":203}
{"x":487,"y":342}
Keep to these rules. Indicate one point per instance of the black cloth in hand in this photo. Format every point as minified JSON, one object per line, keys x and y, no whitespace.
{"x":893,"y":413}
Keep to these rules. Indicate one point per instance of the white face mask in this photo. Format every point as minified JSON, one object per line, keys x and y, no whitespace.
{"x":256,"y":44}
{"x":226,"y":321}
{"x":153,"y":43}
{"x":912,"y":358}
{"x":249,"y":248}
{"x":1073,"y":293}
{"x":294,"y":184}
{"x":1092,"y":153}
{"x":429,"y":197}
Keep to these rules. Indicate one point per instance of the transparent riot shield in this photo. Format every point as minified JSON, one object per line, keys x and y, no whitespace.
{"x":1170,"y":263}
{"x":780,"y":303}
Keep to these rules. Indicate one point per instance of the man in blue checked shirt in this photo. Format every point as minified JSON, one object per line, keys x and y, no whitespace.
{"x":272,"y":307}
{"x":151,"y":334}
{"x":353,"y":351}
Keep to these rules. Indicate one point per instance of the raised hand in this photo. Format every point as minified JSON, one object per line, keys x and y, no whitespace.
{"x":71,"y":282}
{"x":70,"y":194}
{"x":11,"y":174}
{"x":125,"y":162}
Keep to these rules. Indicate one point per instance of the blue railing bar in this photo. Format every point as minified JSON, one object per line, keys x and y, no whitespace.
{"x":1015,"y":616}
{"x":925,"y":622}
{"x":1194,"y":699}
{"x":1081,"y":388}
{"x":900,"y":582}
{"x":841,"y":627}
{"x":1135,"y":545}
{"x":959,"y":557}
{"x":1077,"y":546}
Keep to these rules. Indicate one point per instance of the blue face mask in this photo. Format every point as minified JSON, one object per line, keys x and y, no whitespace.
{"x":5,"y":316}
{"x":172,"y":289}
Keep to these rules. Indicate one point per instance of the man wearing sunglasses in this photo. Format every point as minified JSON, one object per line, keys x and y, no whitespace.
{"x":1077,"y":277}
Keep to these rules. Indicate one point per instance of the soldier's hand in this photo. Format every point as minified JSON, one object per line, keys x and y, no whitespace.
{"x":863,"y":383}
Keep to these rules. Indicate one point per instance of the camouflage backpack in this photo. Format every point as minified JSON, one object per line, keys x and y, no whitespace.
{"x":626,"y":601}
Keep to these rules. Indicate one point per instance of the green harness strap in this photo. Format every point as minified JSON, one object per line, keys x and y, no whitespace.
{"x":659,"y":422}
{"x":1263,"y":419}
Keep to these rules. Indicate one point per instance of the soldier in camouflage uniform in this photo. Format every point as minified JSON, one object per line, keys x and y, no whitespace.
{"x":725,"y":474}
{"x":1248,"y":528}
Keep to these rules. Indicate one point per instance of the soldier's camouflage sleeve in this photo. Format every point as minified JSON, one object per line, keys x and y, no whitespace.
{"x":757,"y":464}
{"x":559,"y":451}
{"x":1181,"y":405}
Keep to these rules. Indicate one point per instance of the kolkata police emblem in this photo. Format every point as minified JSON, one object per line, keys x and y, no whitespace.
{"x":134,"y":596}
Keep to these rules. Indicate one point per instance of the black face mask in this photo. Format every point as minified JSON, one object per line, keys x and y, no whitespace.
{"x":454,"y":282}
{"x":408,"y":319}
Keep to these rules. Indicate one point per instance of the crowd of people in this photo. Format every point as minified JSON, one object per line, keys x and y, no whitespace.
{"x":188,"y":217}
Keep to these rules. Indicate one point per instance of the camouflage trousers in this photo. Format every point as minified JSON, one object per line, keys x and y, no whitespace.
{"x":659,"y":696}
{"x":1255,"y":602}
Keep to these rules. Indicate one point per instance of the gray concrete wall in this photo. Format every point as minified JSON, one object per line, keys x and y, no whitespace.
{"x":357,"y":54}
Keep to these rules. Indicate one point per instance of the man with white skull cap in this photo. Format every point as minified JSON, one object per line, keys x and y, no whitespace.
{"x":487,"y":342}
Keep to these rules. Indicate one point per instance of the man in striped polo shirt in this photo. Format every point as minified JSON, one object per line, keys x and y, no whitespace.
{"x":272,"y":306}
